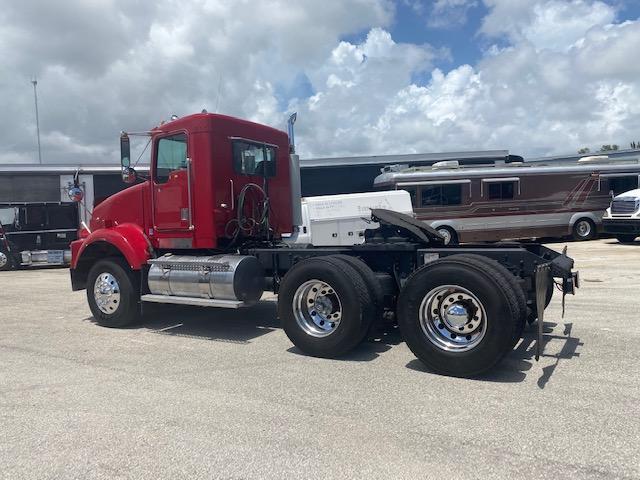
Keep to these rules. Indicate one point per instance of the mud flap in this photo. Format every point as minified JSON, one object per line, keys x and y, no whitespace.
{"x":543,"y":276}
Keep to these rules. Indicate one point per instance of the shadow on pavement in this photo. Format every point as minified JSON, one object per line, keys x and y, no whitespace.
{"x":216,"y":324}
{"x":514,"y":366}
{"x":381,"y":339}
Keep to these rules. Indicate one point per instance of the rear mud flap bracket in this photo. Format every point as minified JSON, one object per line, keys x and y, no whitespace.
{"x":543,"y":277}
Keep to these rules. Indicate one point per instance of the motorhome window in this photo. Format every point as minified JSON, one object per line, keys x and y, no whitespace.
{"x":623,"y":184}
{"x":501,"y":190}
{"x":254,"y":159}
{"x":413,"y":192}
{"x":171,"y":155}
{"x":441,"y":195}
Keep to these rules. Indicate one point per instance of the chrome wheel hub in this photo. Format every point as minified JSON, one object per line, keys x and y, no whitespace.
{"x":446,"y":234}
{"x":583,"y":228}
{"x":452,"y":318}
{"x":317,"y":308}
{"x":106,"y":293}
{"x":3,"y":259}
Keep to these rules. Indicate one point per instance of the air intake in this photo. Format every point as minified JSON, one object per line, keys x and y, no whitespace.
{"x":447,"y":164}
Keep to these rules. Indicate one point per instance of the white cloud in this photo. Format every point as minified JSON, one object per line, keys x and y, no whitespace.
{"x":447,"y":13}
{"x":562,"y":75}
{"x":543,"y":92}
{"x":110,"y":64}
{"x":550,"y":24}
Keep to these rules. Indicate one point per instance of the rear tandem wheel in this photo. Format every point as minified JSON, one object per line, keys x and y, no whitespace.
{"x":325,"y":306}
{"x":459,"y":317}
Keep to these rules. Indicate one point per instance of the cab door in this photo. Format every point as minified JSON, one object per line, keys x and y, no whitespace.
{"x":171,"y":188}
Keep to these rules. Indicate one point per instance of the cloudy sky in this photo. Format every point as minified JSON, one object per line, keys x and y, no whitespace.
{"x":365,"y":76}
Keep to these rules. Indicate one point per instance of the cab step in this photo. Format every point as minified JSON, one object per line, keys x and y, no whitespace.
{"x":200,"y":302}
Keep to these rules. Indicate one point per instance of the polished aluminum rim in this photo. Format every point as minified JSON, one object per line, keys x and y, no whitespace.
{"x":583,"y":228}
{"x":452,"y":318}
{"x":446,"y":234}
{"x":317,"y":308}
{"x":106,"y":293}
{"x":3,"y":260}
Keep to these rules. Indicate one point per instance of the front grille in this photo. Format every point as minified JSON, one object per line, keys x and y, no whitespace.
{"x":623,"y":206}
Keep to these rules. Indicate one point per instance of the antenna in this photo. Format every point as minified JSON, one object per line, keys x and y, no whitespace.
{"x":218,"y":94}
{"x":35,"y":98}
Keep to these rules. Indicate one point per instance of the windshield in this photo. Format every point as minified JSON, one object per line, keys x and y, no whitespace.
{"x":7,"y":216}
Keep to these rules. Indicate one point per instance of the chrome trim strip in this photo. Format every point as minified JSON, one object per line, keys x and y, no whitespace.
{"x":61,"y":230}
{"x":433,"y":182}
{"x":255,"y":142}
{"x":191,"y":226}
{"x":201,"y":302}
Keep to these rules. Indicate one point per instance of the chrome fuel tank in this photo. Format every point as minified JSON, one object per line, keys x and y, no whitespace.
{"x":223,"y":277}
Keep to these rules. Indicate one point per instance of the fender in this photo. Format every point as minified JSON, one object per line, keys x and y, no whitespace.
{"x":445,"y":223}
{"x":128,"y":238}
{"x":595,"y":217}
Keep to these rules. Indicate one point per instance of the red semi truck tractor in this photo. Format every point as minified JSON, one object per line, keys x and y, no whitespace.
{"x":218,"y":221}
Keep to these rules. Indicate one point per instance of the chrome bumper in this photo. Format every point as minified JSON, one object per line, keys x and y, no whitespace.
{"x":32,"y":258}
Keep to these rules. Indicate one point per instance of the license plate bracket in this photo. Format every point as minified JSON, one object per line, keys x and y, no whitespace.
{"x":55,"y":256}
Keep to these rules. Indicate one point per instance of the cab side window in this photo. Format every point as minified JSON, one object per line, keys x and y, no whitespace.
{"x":171,"y":156}
{"x":254,"y":158}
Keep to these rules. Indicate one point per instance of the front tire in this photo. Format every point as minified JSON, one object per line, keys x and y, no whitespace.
{"x":6,"y":262}
{"x":113,"y":294}
{"x":458,"y":317}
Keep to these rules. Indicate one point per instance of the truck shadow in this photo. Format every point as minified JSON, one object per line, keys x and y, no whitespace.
{"x":516,"y":364}
{"x":221,"y":325}
{"x":379,"y":340}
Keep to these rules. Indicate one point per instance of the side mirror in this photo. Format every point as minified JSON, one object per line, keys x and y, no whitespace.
{"x":129,"y":175}
{"x":125,"y":151}
{"x":75,"y":194}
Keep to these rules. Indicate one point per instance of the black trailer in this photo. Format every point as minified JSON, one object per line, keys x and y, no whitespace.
{"x":37,"y":233}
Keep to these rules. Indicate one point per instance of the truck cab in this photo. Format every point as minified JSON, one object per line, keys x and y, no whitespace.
{"x":622,"y":218}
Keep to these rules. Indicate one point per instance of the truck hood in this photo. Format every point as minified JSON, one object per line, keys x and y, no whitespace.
{"x":630,"y":195}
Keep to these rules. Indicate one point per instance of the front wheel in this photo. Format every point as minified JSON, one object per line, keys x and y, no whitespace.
{"x":112,"y":294}
{"x":6,"y":262}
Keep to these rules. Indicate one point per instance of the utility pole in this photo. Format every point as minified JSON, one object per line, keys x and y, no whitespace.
{"x":35,"y":98}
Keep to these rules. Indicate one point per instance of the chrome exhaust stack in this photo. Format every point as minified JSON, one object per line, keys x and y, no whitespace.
{"x":294,"y":176}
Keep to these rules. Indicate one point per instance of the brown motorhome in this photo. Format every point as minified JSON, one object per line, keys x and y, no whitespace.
{"x":514,"y":200}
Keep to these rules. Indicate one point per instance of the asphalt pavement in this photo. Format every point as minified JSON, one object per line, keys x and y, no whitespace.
{"x":204,"y":393}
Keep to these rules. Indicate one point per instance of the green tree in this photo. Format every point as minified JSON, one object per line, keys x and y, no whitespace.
{"x":609,"y":148}
{"x":584,"y":150}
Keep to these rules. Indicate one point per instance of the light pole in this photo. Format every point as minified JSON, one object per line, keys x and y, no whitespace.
{"x":35,"y":98}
